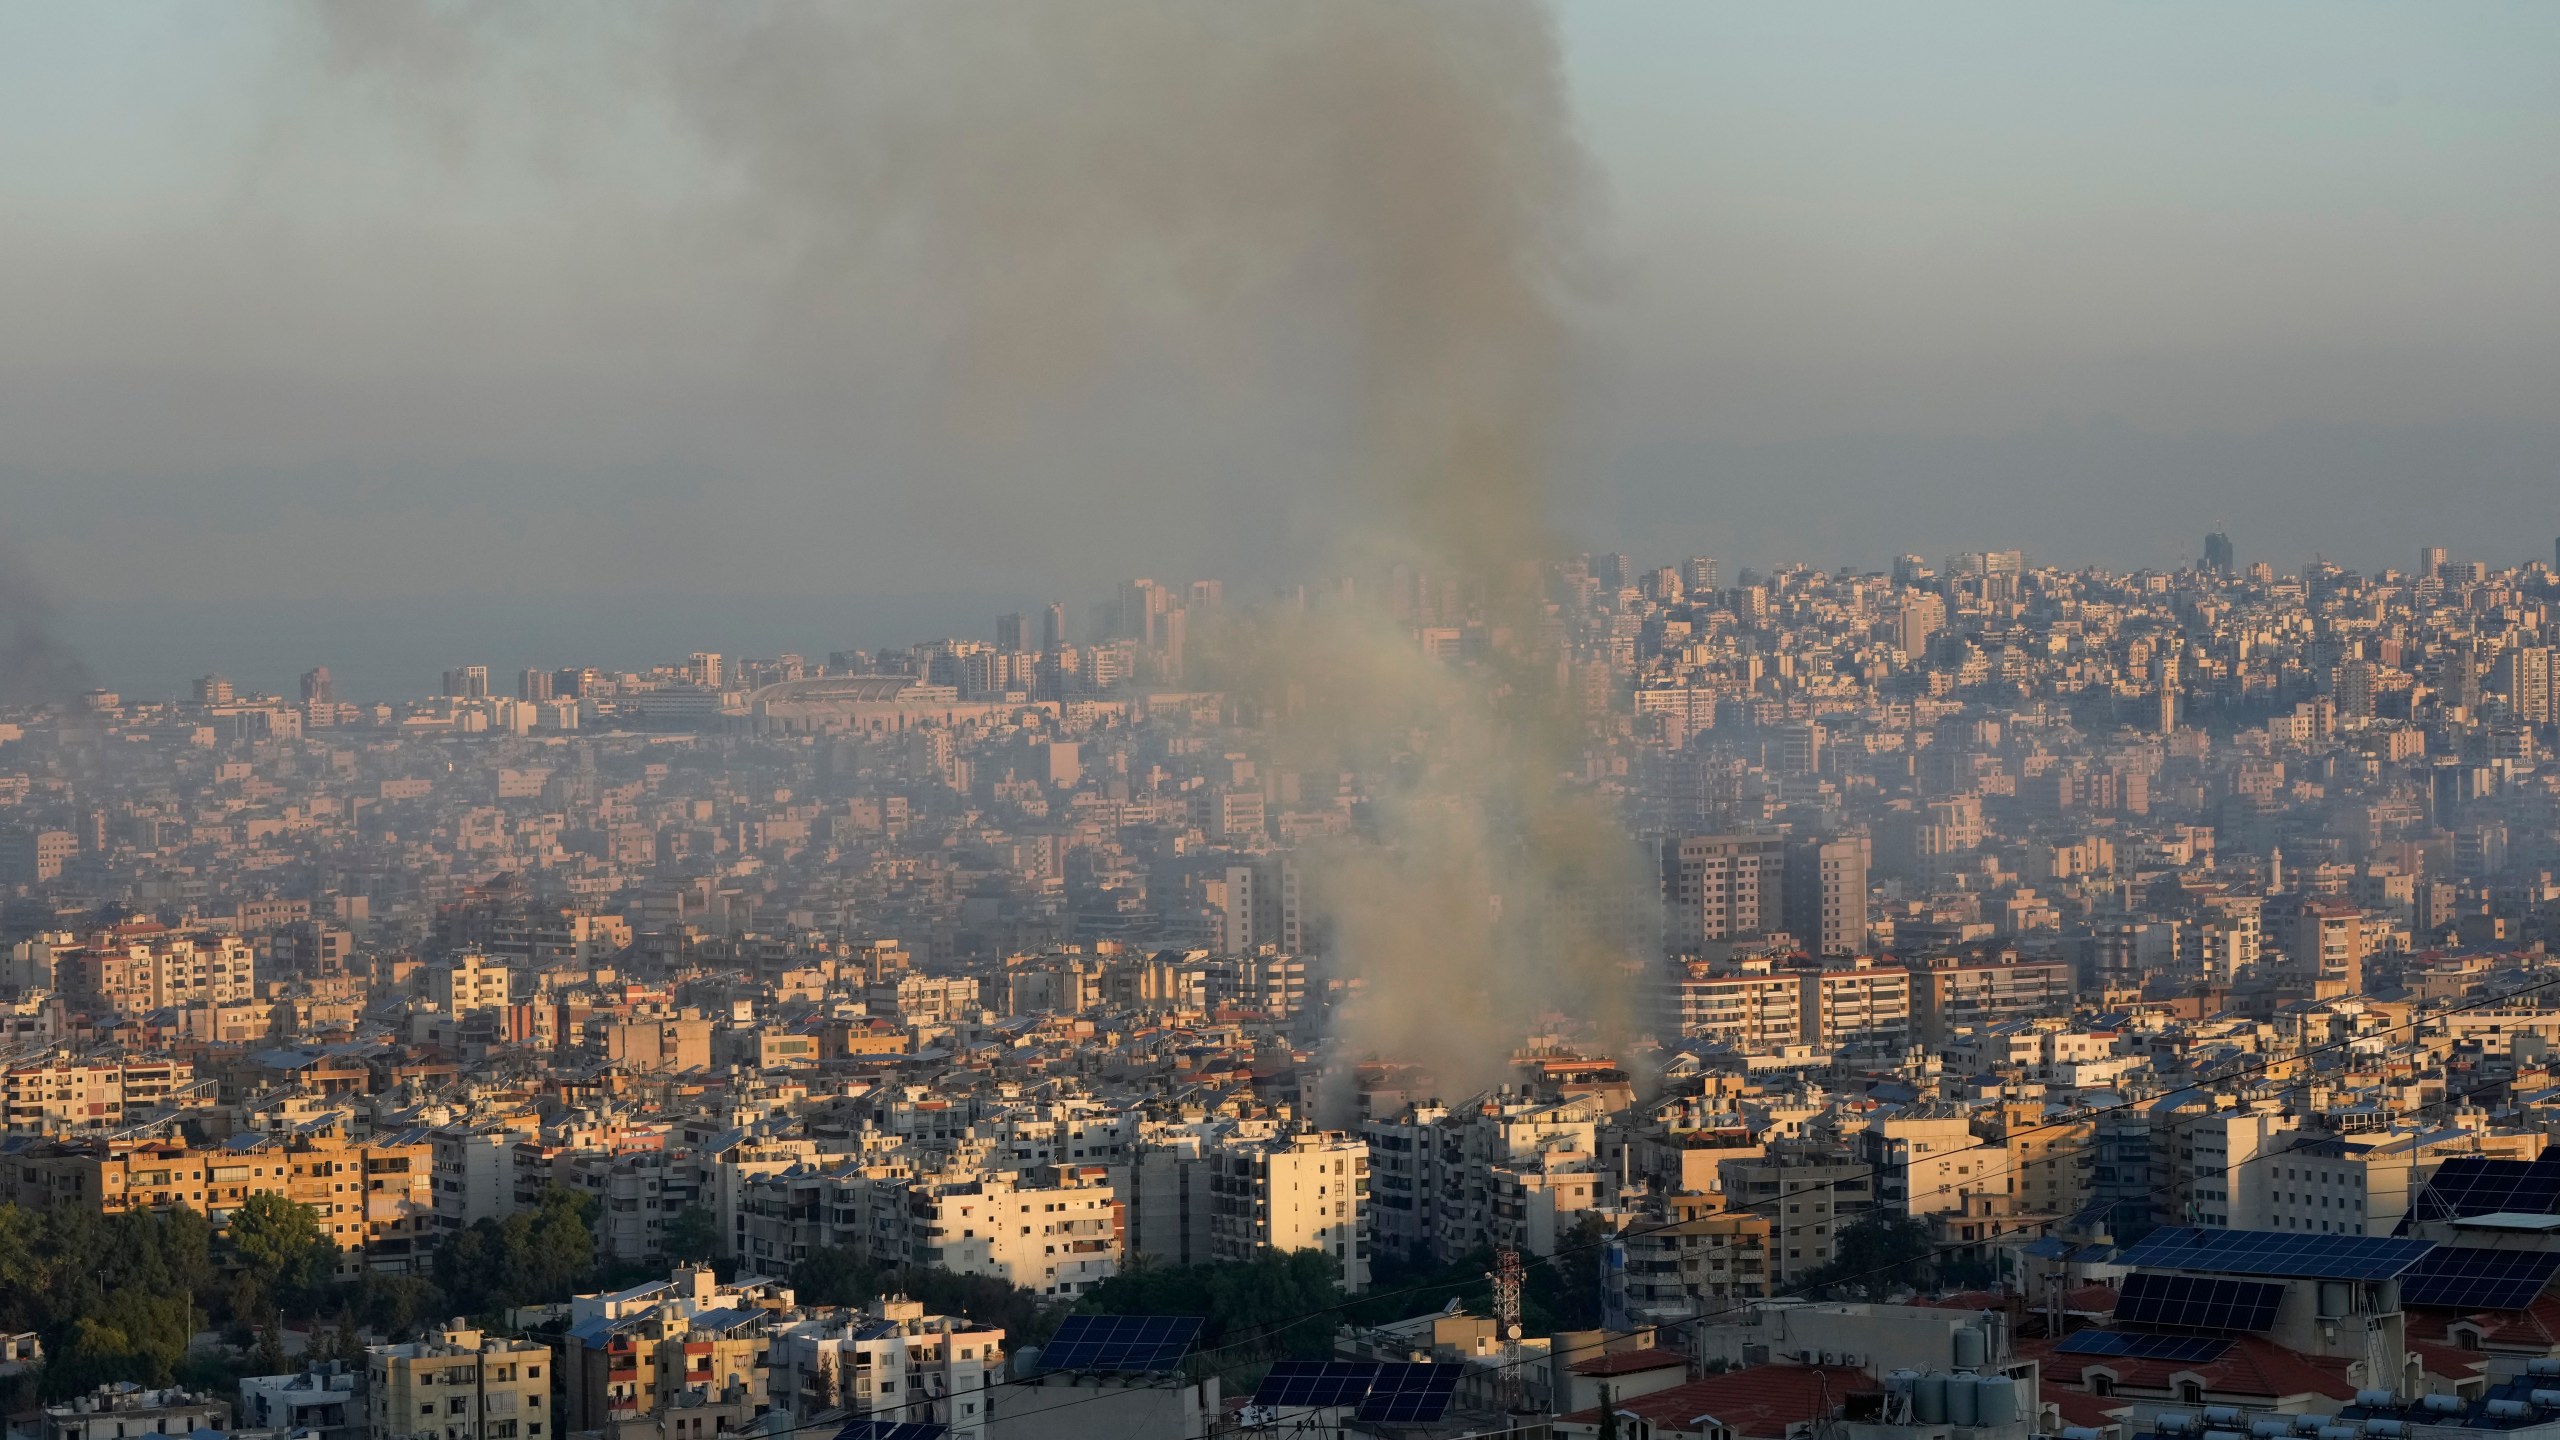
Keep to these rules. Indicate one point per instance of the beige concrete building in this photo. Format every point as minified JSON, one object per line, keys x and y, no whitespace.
{"x":459,"y":1384}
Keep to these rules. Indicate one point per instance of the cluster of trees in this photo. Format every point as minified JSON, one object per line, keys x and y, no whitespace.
{"x":1877,"y":1254}
{"x":1256,"y":1311}
{"x":121,"y":1297}
{"x":1277,"y":1305}
{"x":533,"y":1257}
{"x":840,"y":1277}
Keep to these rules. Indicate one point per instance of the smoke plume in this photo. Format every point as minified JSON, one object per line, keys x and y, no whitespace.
{"x":35,"y":665}
{"x":1082,"y":193}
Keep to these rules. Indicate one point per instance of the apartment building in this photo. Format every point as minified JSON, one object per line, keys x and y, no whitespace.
{"x":459,"y":1384}
{"x":1751,"y":1012}
{"x":66,"y":1097}
{"x":1700,"y":1258}
{"x":892,"y":1361}
{"x":687,"y":1339}
{"x":1950,"y":996}
{"x":1718,"y":889}
{"x":468,"y":984}
{"x":1805,"y":1200}
{"x":1059,"y":1238}
{"x":135,"y":969}
{"x":371,"y":1197}
{"x":1305,"y":1191}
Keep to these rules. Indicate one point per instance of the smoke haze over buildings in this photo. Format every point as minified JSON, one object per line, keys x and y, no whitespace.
{"x":35,"y":664}
{"x":1062,"y":198}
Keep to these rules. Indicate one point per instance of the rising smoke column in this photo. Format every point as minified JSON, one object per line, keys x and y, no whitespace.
{"x":35,"y":665}
{"x":1393,"y":189}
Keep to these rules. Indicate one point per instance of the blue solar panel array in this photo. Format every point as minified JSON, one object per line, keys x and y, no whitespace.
{"x":2198,"y":1303}
{"x":1122,"y":1344}
{"x":1316,"y":1384}
{"x":1410,"y":1394}
{"x":2275,"y":1252}
{"x":2470,"y":1185}
{"x":2184,"y":1349}
{"x":2478,"y":1279}
{"x":893,"y":1430}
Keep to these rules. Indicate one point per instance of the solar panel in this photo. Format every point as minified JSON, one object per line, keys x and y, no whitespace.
{"x":2470,"y":1185}
{"x":1316,"y":1384}
{"x":1409,"y":1394}
{"x":1127,"y":1344}
{"x":2478,"y":1279}
{"x":893,"y":1430}
{"x":2183,"y":1349}
{"x":2274,"y":1252}
{"x":2198,"y":1303}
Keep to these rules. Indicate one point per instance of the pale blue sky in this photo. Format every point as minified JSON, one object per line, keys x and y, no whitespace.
{"x":2086,"y":278}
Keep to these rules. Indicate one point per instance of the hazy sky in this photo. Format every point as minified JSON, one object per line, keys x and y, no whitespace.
{"x":2089,"y":279}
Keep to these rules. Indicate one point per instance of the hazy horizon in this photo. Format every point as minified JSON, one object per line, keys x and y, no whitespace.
{"x":290,"y":339}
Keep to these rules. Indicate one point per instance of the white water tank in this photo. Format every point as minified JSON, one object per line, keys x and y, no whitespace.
{"x":1969,"y":1348}
{"x":1929,"y":1399}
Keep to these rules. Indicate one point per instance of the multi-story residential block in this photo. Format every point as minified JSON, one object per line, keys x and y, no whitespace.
{"x":1806,"y":1201}
{"x":135,"y":969}
{"x":1949,"y":996}
{"x":892,"y":1362}
{"x":62,"y":1096}
{"x":1303,"y":1191}
{"x":459,"y":1384}
{"x":685,"y":1341}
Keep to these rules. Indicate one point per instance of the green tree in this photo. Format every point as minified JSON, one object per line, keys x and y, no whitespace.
{"x":281,"y":1245}
{"x":539,"y":1256}
{"x":1874,"y":1254}
{"x":692,"y":1233}
{"x":1272,"y":1305}
{"x":131,"y":1336}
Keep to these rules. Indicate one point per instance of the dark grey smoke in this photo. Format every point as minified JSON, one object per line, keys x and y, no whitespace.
{"x":35,"y":665}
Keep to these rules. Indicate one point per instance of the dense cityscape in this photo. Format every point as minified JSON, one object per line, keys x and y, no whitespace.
{"x":2043,"y":962}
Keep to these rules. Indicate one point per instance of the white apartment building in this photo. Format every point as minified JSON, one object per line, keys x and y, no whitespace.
{"x":475,"y":1172}
{"x":894,"y":1362}
{"x":468,"y":983}
{"x":1307,"y":1191}
{"x":2226,"y":1181}
{"x":1059,"y":1238}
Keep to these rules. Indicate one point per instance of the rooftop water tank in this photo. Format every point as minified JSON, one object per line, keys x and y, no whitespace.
{"x":2376,"y":1397}
{"x":1969,"y":1348}
{"x":1995,"y":1401}
{"x":1929,"y":1399}
{"x":1964,"y":1393}
{"x":2446,"y":1404}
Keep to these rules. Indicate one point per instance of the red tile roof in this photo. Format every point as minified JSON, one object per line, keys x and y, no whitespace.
{"x":2252,"y":1367}
{"x":1761,"y":1401}
{"x":1630,"y":1362}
